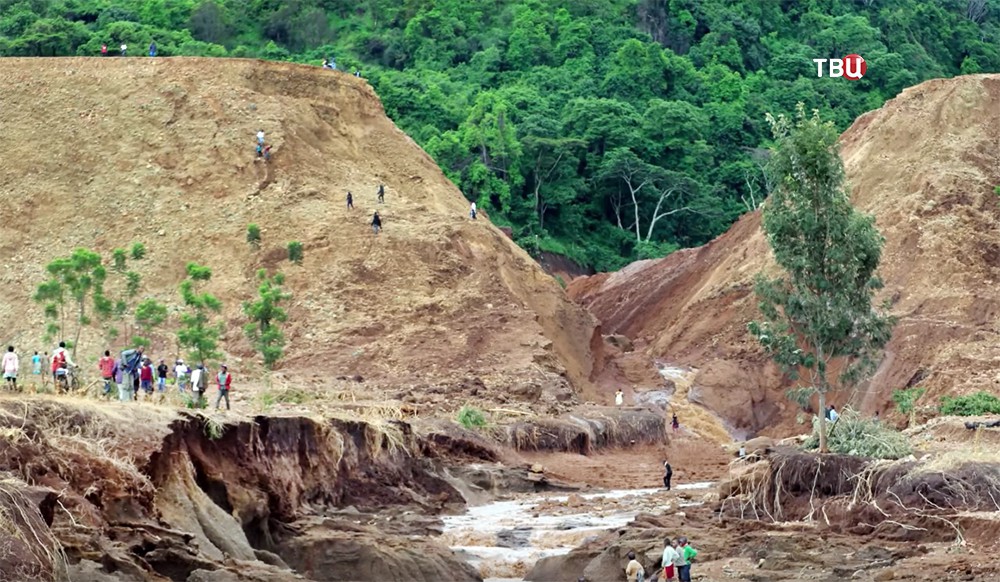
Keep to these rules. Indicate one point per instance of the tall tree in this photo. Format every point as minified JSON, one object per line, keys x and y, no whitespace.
{"x":197,"y":332}
{"x":81,"y":276}
{"x":820,"y":311}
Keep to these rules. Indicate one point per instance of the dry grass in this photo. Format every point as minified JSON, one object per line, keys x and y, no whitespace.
{"x":21,"y":524}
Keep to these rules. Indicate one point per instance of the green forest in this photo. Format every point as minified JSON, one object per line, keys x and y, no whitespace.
{"x":602,"y":130}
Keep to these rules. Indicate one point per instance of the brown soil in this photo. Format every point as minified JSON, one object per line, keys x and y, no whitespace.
{"x":161,"y":151}
{"x":925,"y":165}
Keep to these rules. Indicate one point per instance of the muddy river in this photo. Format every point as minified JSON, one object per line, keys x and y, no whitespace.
{"x":504,"y":539}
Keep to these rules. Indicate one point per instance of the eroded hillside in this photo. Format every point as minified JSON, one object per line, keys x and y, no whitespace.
{"x":104,"y":152}
{"x":925,"y":165}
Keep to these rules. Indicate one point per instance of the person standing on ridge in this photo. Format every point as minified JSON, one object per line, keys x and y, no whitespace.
{"x":198,"y":384}
{"x":619,"y":397}
{"x":224,"y":380}
{"x":381,"y":193}
{"x":10,"y":365}
{"x":131,"y":360}
{"x":152,"y":49}
{"x":668,"y":473}
{"x":350,"y":200}
{"x":376,"y":223}
{"x":181,"y":372}
{"x":60,"y":361}
{"x":472,"y":211}
{"x":357,"y":73}
{"x":161,"y":376}
{"x":104,"y":50}
{"x":146,"y":378}
{"x":124,"y":48}
{"x":107,"y":367}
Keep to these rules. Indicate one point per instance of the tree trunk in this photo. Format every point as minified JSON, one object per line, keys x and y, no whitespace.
{"x":79,"y":328}
{"x":822,"y":422}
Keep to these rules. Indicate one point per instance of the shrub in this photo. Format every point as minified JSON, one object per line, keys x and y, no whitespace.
{"x":138,"y":251}
{"x":295,"y":252}
{"x":972,"y":405}
{"x":470,"y":417}
{"x":253,"y":236}
{"x":853,"y":434}
{"x":906,"y":399}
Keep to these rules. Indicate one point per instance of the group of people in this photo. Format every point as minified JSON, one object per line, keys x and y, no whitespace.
{"x":131,"y":373}
{"x":124,"y":48}
{"x":330,"y":63}
{"x":263,"y":150}
{"x":61,"y":362}
{"x":678,"y":555}
{"x":376,"y":219}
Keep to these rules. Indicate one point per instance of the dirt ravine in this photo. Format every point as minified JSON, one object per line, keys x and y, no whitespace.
{"x":925,"y":165}
{"x":161,"y":151}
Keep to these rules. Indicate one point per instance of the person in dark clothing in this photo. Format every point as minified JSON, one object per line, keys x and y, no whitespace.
{"x":668,"y":472}
{"x":350,"y":200}
{"x":381,"y":193}
{"x":376,"y":223}
{"x":674,"y":423}
{"x":152,"y":49}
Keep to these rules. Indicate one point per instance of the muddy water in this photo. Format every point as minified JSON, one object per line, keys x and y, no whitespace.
{"x":504,"y":539}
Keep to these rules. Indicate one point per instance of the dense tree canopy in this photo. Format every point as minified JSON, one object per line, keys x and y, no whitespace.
{"x":605,"y":130}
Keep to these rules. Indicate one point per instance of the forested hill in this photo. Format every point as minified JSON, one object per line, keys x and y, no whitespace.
{"x":555,"y":115}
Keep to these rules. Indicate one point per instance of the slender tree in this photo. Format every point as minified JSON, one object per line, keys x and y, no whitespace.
{"x":265,"y":314}
{"x":81,"y":277}
{"x":820,"y":311}
{"x":197,"y":333}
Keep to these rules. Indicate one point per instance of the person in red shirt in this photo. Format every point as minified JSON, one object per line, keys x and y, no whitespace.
{"x":104,"y":50}
{"x":107,"y":367}
{"x":146,"y":377}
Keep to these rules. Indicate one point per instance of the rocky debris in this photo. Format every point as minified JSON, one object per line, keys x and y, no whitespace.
{"x":620,"y":342}
{"x":519,"y":537}
{"x":30,"y":552}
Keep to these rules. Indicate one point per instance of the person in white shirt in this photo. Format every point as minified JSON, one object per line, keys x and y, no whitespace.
{"x":124,"y":48}
{"x":472,"y":211}
{"x":833,"y":413}
{"x":10,"y":365}
{"x":260,"y":137}
{"x":670,"y":556}
{"x":619,"y":397}
{"x":181,"y":372}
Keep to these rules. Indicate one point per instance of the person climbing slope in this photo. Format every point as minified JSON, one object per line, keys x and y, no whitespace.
{"x":350,"y":200}
{"x":260,"y":137}
{"x":381,"y":193}
{"x":376,"y":223}
{"x":472,"y":211}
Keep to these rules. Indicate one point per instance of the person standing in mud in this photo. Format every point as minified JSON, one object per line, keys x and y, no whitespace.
{"x":668,"y":473}
{"x":224,"y":380}
{"x":669,"y":556}
{"x":687,"y":555}
{"x":634,"y":571}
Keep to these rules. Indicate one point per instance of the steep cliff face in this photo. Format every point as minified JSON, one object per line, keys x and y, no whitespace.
{"x":144,"y":493}
{"x":925,"y":165}
{"x":112,"y":151}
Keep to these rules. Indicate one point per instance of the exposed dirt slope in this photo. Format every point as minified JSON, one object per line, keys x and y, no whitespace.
{"x":103,"y":152}
{"x":925,"y":165}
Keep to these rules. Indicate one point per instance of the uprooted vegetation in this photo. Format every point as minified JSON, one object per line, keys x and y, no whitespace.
{"x":127,"y":488}
{"x":896,"y":499}
{"x":853,"y":434}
